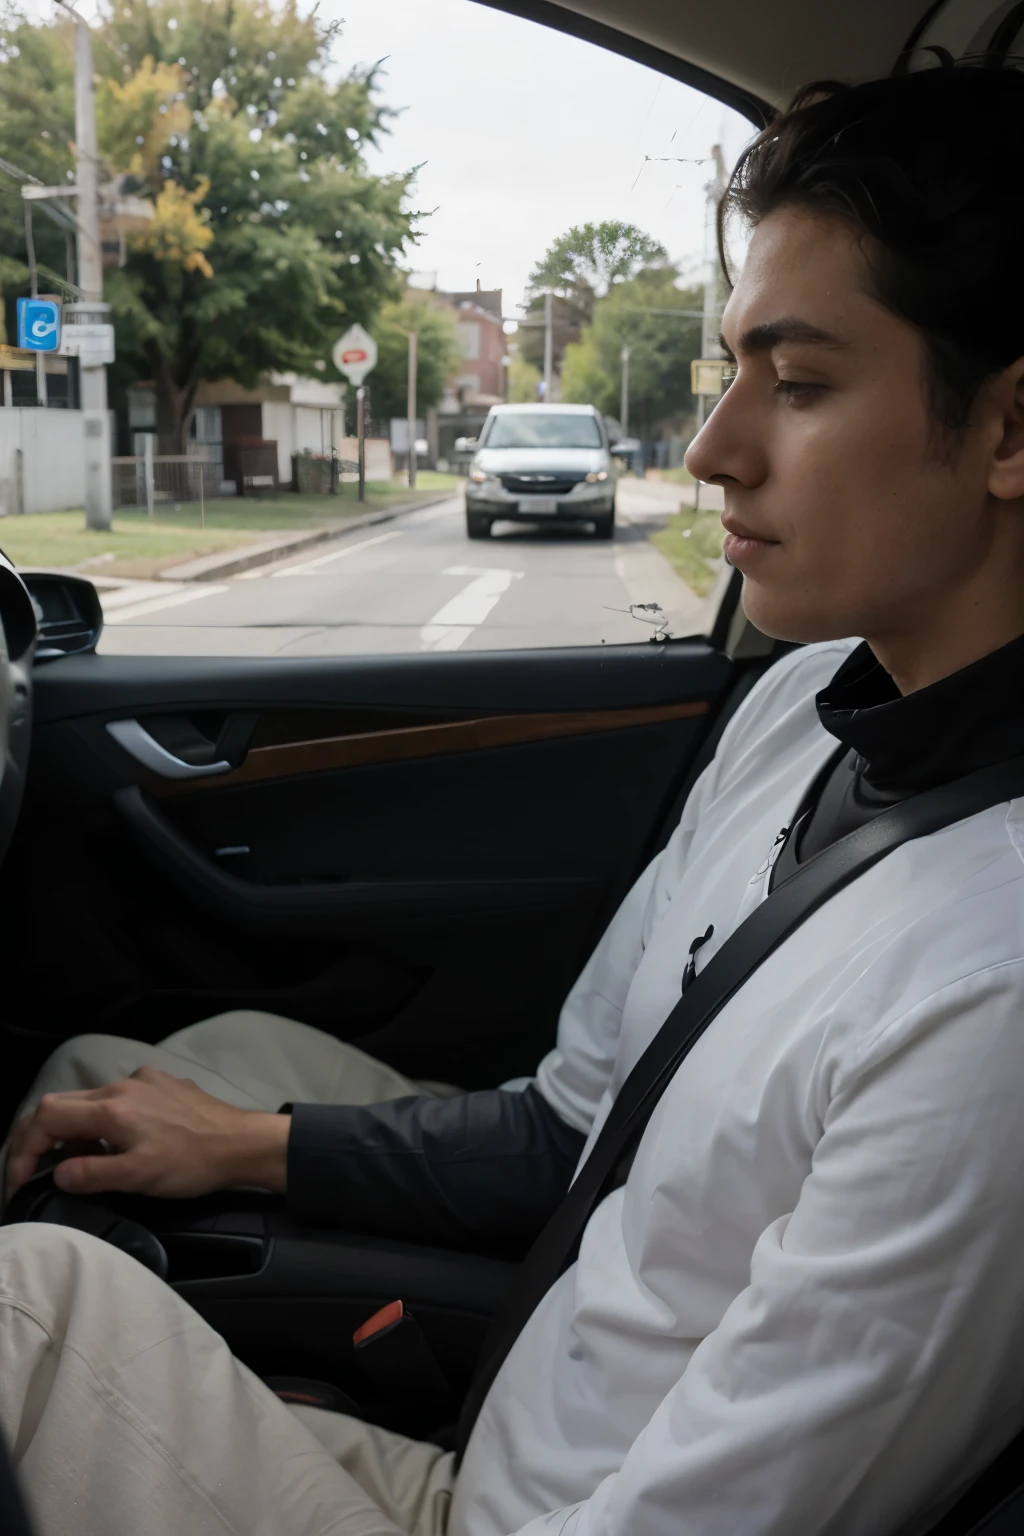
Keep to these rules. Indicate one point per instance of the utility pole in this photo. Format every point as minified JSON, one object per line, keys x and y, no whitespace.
{"x":411,"y":410}
{"x":90,"y":310}
{"x":548,"y":347}
{"x":30,"y":246}
{"x":711,"y":318}
{"x":624,"y":397}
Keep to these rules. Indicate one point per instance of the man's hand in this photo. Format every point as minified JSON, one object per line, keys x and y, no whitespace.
{"x":161,"y":1136}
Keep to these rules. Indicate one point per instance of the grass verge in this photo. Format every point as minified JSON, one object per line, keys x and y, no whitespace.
{"x":140,"y":546}
{"x":692,"y":544}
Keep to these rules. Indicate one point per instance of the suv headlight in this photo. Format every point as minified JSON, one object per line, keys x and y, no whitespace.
{"x":596,"y":475}
{"x":479,"y":477}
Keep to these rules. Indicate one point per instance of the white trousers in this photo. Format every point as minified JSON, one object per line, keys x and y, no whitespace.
{"x":127,"y":1415}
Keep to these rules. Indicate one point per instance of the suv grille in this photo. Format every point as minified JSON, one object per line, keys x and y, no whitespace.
{"x":543,"y":485}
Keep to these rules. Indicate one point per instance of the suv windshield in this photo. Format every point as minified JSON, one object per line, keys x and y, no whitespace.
{"x":544,"y":429}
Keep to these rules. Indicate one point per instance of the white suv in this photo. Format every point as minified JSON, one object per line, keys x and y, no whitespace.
{"x":540,"y":463}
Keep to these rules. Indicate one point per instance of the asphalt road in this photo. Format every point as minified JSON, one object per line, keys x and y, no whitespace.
{"x":417,"y":583}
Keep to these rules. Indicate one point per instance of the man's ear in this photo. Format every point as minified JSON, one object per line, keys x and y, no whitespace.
{"x":1006,"y":471}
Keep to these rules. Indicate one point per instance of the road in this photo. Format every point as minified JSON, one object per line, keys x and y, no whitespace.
{"x":417,"y":583}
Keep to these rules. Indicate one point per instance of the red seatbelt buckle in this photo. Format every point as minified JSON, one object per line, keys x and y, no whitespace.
{"x":399,"y":1367}
{"x":380,"y":1323}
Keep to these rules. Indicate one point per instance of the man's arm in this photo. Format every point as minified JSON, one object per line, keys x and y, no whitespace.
{"x":493,"y":1163}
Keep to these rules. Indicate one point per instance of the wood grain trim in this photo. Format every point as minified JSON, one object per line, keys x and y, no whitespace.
{"x":361,"y":749}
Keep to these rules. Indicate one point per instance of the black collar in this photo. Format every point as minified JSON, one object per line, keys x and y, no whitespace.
{"x":965,"y":721}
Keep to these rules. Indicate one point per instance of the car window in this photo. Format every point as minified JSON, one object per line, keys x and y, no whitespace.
{"x":537,"y":428}
{"x":347,"y":250}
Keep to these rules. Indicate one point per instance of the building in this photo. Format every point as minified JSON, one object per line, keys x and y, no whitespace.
{"x":481,"y":379}
{"x":297,"y":415}
{"x":480,"y":332}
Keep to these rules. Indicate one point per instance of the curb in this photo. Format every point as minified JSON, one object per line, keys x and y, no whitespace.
{"x":233,"y":562}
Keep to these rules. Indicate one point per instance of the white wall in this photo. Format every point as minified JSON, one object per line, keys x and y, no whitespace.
{"x":317,"y":428}
{"x":52,"y":447}
{"x":300,"y":429}
{"x":278,"y":426}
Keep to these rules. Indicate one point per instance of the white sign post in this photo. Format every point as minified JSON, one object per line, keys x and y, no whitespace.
{"x":354,"y":356}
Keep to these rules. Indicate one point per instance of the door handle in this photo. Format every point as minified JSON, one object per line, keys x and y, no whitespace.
{"x":145,"y":749}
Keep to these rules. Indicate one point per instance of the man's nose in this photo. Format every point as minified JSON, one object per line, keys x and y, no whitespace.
{"x":727,"y":447}
{"x":699,"y":457}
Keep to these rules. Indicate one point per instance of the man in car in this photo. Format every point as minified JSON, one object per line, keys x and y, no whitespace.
{"x":801,"y":1312}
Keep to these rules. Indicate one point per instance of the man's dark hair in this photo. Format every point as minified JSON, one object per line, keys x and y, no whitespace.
{"x":928,"y":168}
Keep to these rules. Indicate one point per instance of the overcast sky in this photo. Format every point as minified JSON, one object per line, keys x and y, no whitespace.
{"x":522,"y":132}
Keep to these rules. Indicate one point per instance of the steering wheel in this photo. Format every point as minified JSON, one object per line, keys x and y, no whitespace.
{"x":17,"y":642}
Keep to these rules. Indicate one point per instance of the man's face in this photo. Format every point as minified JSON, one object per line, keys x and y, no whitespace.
{"x":844,"y":512}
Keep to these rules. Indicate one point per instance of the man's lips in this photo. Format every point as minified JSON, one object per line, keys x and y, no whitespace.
{"x":743,"y":543}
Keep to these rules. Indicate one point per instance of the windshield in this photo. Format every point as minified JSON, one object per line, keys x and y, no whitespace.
{"x":544,"y":429}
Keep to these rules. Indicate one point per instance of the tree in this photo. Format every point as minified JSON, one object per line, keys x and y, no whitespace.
{"x":580,"y":267}
{"x":523,"y":377}
{"x":437,"y":355}
{"x":661,"y":348}
{"x":583,"y":264}
{"x":270,"y":236}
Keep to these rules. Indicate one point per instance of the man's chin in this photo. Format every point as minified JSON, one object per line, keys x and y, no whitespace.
{"x":791,"y":618}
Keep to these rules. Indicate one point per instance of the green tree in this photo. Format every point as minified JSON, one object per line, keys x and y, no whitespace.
{"x":578,"y":268}
{"x":270,"y":235}
{"x":661,"y":347}
{"x":437,"y":355}
{"x":523,"y":377}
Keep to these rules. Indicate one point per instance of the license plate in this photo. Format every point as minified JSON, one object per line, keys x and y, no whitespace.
{"x":540,"y":504}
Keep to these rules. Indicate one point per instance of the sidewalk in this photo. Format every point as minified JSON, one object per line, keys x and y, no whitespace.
{"x":264,"y":547}
{"x":655,"y":498}
{"x":276,"y":546}
{"x":121,"y":592}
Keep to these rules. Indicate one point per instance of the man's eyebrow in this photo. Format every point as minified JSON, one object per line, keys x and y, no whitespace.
{"x":772,"y":333}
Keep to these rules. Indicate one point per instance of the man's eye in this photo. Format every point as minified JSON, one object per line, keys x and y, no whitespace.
{"x":797,"y":392}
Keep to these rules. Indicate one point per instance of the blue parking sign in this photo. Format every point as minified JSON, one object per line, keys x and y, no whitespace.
{"x":38,"y":325}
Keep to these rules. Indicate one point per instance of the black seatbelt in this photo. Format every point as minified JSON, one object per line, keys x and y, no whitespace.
{"x":777,"y":916}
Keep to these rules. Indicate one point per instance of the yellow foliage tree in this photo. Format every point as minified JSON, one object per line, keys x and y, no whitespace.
{"x":180,"y":230}
{"x":137,"y":119}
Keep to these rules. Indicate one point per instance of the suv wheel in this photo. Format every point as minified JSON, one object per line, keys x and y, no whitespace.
{"x":478,"y":525}
{"x":604,"y":526}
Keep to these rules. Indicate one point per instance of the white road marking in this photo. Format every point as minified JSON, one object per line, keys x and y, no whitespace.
{"x":456,"y":621}
{"x":156,"y":604}
{"x":309,"y":567}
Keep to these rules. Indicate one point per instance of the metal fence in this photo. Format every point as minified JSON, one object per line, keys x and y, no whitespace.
{"x":176,"y":477}
{"x":320,"y":474}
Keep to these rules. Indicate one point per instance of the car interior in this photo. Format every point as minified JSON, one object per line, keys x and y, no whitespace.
{"x":415,"y":853}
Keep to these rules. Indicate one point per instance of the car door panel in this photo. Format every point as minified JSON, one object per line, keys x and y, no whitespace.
{"x":413,"y":853}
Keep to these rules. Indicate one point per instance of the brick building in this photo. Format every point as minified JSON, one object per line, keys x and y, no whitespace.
{"x":479,"y":328}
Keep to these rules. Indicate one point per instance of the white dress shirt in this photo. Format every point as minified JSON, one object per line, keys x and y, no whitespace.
{"x":803,"y":1315}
